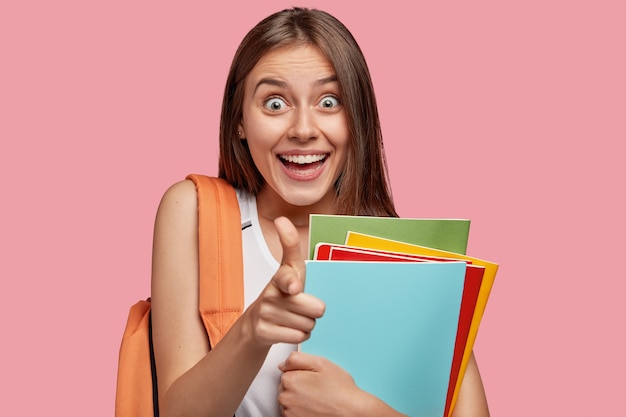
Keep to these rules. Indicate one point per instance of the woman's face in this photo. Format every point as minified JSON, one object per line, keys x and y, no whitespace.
{"x":295,"y":125}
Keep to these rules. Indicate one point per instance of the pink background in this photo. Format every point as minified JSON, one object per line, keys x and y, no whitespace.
{"x":507,"y":113}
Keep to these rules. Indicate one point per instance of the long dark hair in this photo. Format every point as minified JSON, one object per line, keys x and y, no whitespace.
{"x":363,"y":187}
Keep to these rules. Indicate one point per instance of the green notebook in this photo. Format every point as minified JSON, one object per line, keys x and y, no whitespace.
{"x":445,"y":234}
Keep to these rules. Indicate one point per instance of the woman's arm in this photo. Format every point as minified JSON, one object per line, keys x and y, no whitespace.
{"x":472,"y":401}
{"x":191,"y":380}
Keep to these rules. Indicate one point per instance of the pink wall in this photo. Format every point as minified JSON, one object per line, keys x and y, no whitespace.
{"x":508,"y":115}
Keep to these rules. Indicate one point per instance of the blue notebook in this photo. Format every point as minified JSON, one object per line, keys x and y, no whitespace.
{"x":391,"y":325}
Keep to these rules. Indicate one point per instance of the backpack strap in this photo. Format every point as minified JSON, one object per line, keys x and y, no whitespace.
{"x":220,"y":257}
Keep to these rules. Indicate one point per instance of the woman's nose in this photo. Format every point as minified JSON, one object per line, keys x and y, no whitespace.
{"x":304,"y":125}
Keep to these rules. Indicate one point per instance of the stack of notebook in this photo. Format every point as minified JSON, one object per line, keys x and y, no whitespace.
{"x":403,"y":305}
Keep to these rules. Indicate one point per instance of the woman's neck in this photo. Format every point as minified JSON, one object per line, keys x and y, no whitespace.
{"x":270,"y":206}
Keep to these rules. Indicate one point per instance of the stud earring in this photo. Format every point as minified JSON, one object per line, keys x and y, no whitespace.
{"x":239,"y":133}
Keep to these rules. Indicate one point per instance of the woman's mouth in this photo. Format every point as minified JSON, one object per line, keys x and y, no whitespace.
{"x":303,"y":164}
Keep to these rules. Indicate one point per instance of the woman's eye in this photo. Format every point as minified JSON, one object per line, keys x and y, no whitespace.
{"x":275,"y":104}
{"x":329,"y":102}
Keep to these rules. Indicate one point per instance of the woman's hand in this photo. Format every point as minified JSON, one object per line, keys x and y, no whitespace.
{"x":314,"y":386}
{"x":283,"y":312}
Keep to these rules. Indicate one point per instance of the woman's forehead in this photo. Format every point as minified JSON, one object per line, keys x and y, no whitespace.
{"x":291,"y":61}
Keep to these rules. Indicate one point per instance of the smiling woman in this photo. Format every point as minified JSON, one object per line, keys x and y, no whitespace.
{"x":299,"y":135}
{"x":362,"y":187}
{"x":296,"y":128}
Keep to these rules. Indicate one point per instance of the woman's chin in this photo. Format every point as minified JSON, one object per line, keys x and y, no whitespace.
{"x":300,"y":200}
{"x":312,"y":198}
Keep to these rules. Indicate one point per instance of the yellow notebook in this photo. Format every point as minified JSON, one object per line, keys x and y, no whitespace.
{"x":371,"y":242}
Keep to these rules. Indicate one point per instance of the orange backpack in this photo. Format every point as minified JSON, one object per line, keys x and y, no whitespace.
{"x":221,"y":297}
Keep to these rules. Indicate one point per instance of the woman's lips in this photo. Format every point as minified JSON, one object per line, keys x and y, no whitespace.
{"x":303,"y":166}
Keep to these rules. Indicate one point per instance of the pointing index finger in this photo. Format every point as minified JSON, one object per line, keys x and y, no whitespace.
{"x":292,"y":256}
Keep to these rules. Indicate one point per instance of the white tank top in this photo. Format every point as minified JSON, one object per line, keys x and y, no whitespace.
{"x":258,"y":268}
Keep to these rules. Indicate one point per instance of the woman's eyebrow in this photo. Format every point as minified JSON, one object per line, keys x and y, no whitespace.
{"x":326,"y":80}
{"x":283,"y":84}
{"x":270,"y":81}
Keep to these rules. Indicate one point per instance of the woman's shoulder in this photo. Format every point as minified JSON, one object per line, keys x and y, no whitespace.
{"x":180,"y":193}
{"x":179,"y":201}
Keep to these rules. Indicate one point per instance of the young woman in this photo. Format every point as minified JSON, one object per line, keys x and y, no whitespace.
{"x":299,"y":134}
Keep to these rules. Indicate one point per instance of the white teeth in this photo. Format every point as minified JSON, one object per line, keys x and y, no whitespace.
{"x":302,"y":159}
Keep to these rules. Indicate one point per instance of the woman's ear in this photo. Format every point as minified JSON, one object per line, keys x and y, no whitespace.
{"x":241,"y":134}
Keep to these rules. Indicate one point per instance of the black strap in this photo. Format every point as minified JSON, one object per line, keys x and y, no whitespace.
{"x":155,"y":391}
